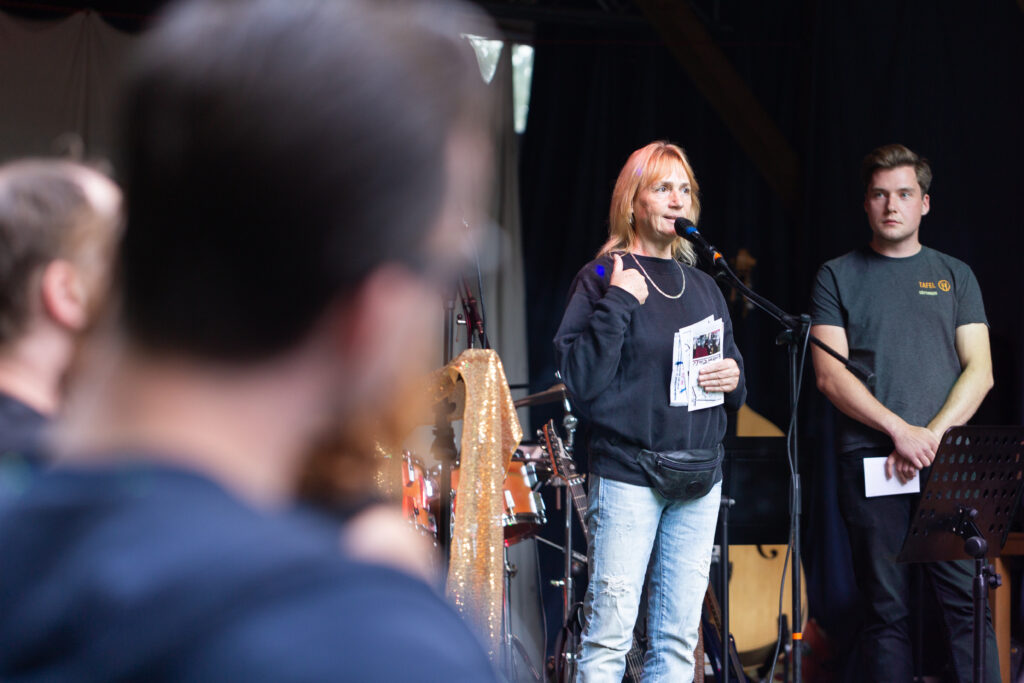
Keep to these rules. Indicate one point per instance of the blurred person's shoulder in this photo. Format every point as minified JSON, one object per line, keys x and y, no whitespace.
{"x":21,"y":428}
{"x":376,"y":624}
{"x":160,"y":572}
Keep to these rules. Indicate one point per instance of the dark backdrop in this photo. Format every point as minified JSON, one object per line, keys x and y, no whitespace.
{"x":839,"y":78}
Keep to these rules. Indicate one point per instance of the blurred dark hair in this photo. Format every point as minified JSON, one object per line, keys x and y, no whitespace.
{"x":44,"y":214}
{"x":274,"y":154}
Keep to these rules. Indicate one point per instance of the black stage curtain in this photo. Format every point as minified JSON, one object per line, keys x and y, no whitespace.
{"x":839,"y":78}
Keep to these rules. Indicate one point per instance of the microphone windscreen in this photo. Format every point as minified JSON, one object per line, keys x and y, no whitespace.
{"x":684,"y":226}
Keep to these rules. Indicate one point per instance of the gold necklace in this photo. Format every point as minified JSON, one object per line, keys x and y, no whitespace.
{"x":655,"y":285}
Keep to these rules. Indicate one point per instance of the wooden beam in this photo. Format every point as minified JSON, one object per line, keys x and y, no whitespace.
{"x":725,"y":89}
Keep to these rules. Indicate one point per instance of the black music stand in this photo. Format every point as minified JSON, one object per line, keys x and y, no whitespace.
{"x":966,"y":508}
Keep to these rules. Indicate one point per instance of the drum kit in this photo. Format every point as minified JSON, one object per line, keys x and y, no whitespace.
{"x":524,"y":514}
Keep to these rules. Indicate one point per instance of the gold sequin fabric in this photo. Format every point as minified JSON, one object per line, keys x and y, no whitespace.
{"x":490,"y":434}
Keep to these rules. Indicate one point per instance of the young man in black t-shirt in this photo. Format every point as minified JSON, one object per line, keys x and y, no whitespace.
{"x":915,"y":317}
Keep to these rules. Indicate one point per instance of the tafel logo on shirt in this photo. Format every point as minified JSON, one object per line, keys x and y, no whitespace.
{"x":931,"y":288}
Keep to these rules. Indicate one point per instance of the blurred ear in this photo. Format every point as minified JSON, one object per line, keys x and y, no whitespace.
{"x":63,"y":295}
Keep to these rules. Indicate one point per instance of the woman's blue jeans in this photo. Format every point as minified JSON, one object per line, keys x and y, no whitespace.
{"x":631,"y":526}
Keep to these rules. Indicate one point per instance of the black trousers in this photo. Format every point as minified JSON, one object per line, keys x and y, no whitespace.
{"x":876,"y":527}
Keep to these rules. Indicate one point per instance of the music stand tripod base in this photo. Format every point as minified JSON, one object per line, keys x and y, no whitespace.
{"x":966,"y":508}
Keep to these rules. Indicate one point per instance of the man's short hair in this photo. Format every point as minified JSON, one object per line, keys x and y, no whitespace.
{"x":894,"y":156}
{"x":274,"y":154}
{"x":45,"y":213}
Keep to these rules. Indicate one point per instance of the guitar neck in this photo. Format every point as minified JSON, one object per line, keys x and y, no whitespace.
{"x":579,"y":501}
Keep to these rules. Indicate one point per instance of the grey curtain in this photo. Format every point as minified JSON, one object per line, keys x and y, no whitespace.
{"x":57,"y":84}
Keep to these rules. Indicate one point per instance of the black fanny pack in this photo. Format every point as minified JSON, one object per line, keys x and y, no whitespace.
{"x":682,"y":475}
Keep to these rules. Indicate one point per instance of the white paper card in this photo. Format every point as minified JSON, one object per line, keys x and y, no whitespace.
{"x":682,"y":355}
{"x":875,"y":483}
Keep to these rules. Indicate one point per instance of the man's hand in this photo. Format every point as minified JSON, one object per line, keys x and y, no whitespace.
{"x":630,"y":280}
{"x":915,"y":449}
{"x":723,"y":375}
{"x":903,"y":469}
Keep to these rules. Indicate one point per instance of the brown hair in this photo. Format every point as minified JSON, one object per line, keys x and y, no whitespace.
{"x":894,"y":156}
{"x":645,"y":166}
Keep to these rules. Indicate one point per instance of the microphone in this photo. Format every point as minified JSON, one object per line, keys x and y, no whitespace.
{"x":686,"y":229}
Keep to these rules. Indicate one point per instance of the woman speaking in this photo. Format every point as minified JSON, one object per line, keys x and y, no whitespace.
{"x":655,"y":449}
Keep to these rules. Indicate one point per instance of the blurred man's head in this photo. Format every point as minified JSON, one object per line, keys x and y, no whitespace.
{"x":276,"y":154}
{"x":58,"y":224}
{"x":280,"y":155}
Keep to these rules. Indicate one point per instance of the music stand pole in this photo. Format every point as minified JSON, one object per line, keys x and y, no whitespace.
{"x":976,"y":546}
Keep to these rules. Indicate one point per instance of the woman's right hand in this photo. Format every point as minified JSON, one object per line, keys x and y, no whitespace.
{"x":630,"y":280}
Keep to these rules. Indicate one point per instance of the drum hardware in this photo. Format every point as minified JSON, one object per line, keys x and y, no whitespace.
{"x":550,"y":395}
{"x":576,"y":556}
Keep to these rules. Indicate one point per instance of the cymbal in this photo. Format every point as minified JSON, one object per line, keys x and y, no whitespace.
{"x":549,"y":395}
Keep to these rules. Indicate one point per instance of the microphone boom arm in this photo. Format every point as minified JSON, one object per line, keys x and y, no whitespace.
{"x":791,"y":322}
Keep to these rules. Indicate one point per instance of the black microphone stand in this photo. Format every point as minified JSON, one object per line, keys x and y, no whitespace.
{"x":795,"y":334}
{"x":443,"y":447}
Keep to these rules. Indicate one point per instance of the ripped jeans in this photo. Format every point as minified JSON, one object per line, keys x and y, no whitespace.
{"x":627,"y":523}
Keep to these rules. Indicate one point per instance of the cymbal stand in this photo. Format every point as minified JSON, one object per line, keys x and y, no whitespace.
{"x":566,"y":582}
{"x":510,"y":571}
{"x":443,"y":447}
{"x":568,"y":666}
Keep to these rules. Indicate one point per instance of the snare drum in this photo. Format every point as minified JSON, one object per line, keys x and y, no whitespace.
{"x":417,"y":493}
